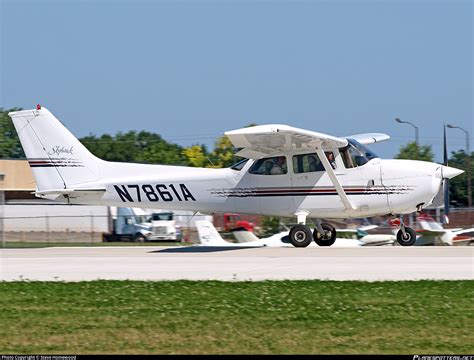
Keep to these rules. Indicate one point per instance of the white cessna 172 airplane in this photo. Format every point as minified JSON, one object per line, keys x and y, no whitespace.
{"x":286,"y":172}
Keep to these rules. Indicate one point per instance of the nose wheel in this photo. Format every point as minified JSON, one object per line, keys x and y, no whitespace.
{"x":407,"y":237}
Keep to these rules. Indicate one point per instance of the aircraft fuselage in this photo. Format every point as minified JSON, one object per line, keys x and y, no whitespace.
{"x":379,"y":187}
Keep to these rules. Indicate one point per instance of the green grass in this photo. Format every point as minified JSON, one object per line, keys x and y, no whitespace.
{"x":185,"y":317}
{"x":22,"y":245}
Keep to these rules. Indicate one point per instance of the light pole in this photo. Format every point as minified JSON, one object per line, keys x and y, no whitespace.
{"x":407,"y":122}
{"x":417,"y":149}
{"x":468,"y":163}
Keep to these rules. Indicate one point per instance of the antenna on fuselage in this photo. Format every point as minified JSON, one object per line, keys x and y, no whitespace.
{"x":207,"y":157}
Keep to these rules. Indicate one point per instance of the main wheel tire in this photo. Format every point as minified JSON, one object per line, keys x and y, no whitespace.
{"x":326,"y":239}
{"x":300,"y":235}
{"x":409,"y":238}
{"x":139,"y":238}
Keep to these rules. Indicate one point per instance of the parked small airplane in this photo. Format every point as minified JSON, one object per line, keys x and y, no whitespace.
{"x":432,"y":232}
{"x":208,"y":236}
{"x":286,"y":172}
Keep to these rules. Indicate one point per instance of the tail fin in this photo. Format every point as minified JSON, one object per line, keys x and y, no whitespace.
{"x":58,"y":160}
{"x":208,"y":235}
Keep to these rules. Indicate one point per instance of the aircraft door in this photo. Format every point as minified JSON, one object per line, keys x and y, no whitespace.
{"x":313,"y":190}
{"x":266,"y":187}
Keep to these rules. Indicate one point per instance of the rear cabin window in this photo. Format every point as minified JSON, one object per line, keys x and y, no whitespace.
{"x":307,"y":163}
{"x":270,"y":166}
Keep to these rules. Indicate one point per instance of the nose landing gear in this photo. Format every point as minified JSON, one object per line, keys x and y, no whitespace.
{"x":406,"y":236}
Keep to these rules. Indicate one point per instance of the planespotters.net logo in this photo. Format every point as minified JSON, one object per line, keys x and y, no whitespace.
{"x":443,"y":357}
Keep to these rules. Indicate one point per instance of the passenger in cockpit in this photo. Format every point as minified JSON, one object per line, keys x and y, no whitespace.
{"x":313,"y":163}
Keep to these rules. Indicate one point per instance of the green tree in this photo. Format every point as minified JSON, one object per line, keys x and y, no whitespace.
{"x":223,"y":154}
{"x":152,"y":149}
{"x":132,"y":146}
{"x":100,"y":146}
{"x":458,"y":185}
{"x":270,"y":226}
{"x":414,"y":151}
{"x":196,"y":155}
{"x":10,"y":146}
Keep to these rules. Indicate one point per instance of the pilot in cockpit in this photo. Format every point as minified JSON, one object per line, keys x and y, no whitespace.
{"x":279,"y":167}
{"x":267,"y":167}
{"x":330,"y":156}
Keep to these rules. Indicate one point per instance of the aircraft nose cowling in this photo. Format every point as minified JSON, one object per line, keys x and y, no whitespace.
{"x":450,"y":172}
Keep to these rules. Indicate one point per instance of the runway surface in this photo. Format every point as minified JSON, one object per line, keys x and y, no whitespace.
{"x":231,"y":264}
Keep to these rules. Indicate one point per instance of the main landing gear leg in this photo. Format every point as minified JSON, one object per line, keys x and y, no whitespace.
{"x":405,"y":236}
{"x":324,"y":234}
{"x":300,"y":234}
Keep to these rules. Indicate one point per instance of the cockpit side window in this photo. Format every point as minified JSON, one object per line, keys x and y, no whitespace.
{"x":270,"y":166}
{"x":346,"y":157}
{"x":355,"y":154}
{"x":239,"y":165}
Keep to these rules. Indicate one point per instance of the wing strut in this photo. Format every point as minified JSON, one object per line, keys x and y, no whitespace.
{"x":327,"y":166}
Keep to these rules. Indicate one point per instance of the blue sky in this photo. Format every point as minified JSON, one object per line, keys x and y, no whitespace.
{"x":191,"y":70}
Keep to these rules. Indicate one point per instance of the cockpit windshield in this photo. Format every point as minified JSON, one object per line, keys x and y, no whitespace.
{"x":355,"y":154}
{"x":364,"y":150}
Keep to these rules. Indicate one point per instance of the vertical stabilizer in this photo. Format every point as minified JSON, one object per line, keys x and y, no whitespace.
{"x":56,"y":157}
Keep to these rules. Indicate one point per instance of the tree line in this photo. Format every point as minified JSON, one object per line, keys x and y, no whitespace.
{"x":132,"y":146}
{"x":151,"y":148}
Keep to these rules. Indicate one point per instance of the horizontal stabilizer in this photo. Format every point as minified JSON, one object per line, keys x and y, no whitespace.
{"x":82,"y":194}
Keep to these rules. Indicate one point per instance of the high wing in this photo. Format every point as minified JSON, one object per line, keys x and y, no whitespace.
{"x":264,"y":140}
{"x":370,"y":138}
